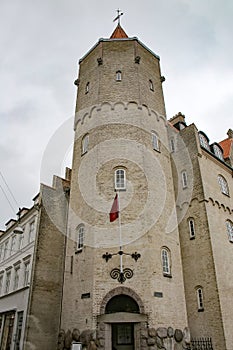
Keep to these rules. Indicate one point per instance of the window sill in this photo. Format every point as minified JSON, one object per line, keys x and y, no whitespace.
{"x":168,"y":275}
{"x":157,"y":150}
{"x":200,"y":310}
{"x":78,"y":251}
{"x":192,"y":238}
{"x":82,"y":154}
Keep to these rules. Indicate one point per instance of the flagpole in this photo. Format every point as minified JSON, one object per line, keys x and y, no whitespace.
{"x":120,"y":236}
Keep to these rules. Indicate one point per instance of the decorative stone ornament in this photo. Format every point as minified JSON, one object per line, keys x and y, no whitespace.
{"x":178,"y":335}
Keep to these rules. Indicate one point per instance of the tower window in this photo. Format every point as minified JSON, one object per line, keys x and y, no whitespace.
{"x":118,"y":75}
{"x":151,"y":85}
{"x":200,"y":301}
{"x":155,"y":141}
{"x":87,"y":89}
{"x":80,"y":237}
{"x":166,"y":262}
{"x":229,"y":225}
{"x":120,"y":179}
{"x":184,"y":179}
{"x":172,"y":145}
{"x":85,"y":143}
{"x":191,"y":228}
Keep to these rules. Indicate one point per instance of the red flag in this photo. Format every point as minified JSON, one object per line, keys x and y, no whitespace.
{"x":114,"y":213}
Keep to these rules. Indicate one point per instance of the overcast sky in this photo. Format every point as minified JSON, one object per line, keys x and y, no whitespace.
{"x":41,"y":43}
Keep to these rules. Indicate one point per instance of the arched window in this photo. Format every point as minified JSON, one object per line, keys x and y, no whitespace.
{"x":118,"y":75}
{"x":155,"y":141}
{"x":151,"y":85}
{"x":165,"y":254}
{"x":217,"y":151}
{"x":223,"y":185}
{"x":184,"y":179}
{"x":80,"y":237}
{"x":85,"y":143}
{"x":191,"y":228}
{"x":229,"y":225}
{"x":204,"y":141}
{"x":120,"y":179}
{"x":122,"y":303}
{"x":87,"y":87}
{"x":200,"y":299}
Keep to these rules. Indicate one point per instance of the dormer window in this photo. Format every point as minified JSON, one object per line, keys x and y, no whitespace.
{"x":118,"y":75}
{"x":217,"y":151}
{"x":204,"y":141}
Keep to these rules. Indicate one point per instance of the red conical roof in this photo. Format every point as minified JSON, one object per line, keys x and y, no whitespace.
{"x":119,"y":33}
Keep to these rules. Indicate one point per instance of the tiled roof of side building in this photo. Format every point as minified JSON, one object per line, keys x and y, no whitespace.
{"x":226,"y":146}
{"x":119,"y":33}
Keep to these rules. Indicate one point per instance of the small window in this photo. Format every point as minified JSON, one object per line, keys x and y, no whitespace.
{"x":87,"y":89}
{"x":151,"y":85}
{"x":118,"y":75}
{"x":85,"y":143}
{"x":223,"y":185}
{"x":26,"y":273}
{"x":8,"y":281}
{"x":229,"y":225}
{"x":204,"y":141}
{"x":200,"y":302}
{"x":191,"y":228}
{"x":184,"y":179}
{"x":120,"y":179}
{"x":166,"y":262}
{"x":218,"y":151}
{"x":172,"y":145}
{"x":80,"y":237}
{"x":155,"y":141}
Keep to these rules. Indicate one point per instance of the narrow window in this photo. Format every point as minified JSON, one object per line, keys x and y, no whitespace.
{"x":200,"y":302}
{"x":13,"y":244}
{"x":166,"y":262}
{"x":118,"y":75}
{"x":155,"y":141}
{"x":26,"y":273}
{"x":151,"y":85}
{"x":191,"y":229}
{"x":1,"y":283}
{"x":16,"y":278}
{"x":5,"y":252}
{"x":223,"y":185}
{"x":172,"y":145}
{"x":229,"y":225}
{"x":120,"y":179}
{"x":8,"y":281}
{"x":80,"y":237}
{"x":1,"y":252}
{"x":31,"y":231}
{"x":20,"y":241}
{"x":184,"y":179}
{"x":87,"y":87}
{"x":85,"y":143}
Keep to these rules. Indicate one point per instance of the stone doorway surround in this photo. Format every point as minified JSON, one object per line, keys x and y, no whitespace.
{"x":105,"y":321}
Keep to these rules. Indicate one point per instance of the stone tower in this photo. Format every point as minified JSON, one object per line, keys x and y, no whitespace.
{"x":121,"y":143}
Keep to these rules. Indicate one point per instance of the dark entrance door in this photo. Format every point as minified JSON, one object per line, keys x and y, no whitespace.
{"x":122,"y":336}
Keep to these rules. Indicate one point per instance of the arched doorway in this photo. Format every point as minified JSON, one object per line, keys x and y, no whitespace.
{"x":122,"y":317}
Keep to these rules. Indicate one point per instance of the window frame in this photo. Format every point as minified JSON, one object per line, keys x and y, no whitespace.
{"x":87,"y":87}
{"x":85,"y":143}
{"x":155,"y":141}
{"x":16,"y":277}
{"x":118,"y":75}
{"x":118,"y":179}
{"x":80,"y":237}
{"x":204,"y":141}
{"x":8,"y":281}
{"x":217,"y":151}
{"x":31,"y":231}
{"x":151,"y":85}
{"x":13,"y":244}
{"x":192,"y":231}
{"x":26,"y":273}
{"x":166,"y":261}
{"x":200,"y":299}
{"x":229,"y":225}
{"x":223,"y":185}
{"x":184,"y":178}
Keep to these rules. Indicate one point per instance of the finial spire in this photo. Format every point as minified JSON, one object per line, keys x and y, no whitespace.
{"x":118,"y":17}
